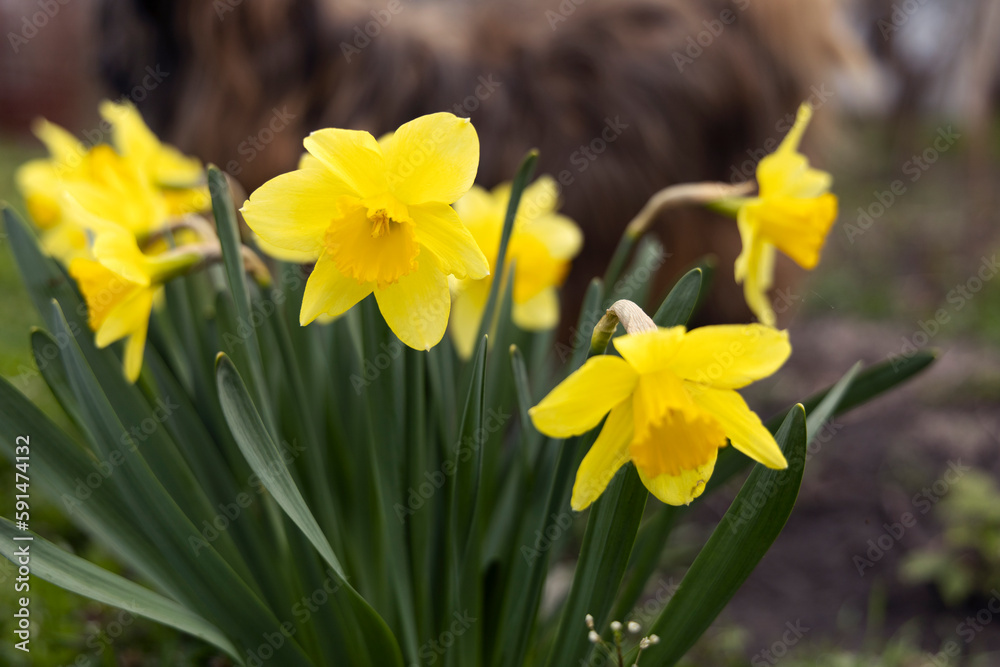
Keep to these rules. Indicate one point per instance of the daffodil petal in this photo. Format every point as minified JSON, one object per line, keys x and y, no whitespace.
{"x":329,"y":292}
{"x":680,"y":489}
{"x":416,"y":307}
{"x":741,"y":424}
{"x":135,"y":347}
{"x":117,"y":250}
{"x":579,"y":402}
{"x":608,"y":453}
{"x":539,"y":313}
{"x":126,"y":318}
{"x":559,"y":234}
{"x":433,"y":158}
{"x":792,"y":140}
{"x":755,"y":269}
{"x":467,"y":314}
{"x":291,"y":256}
{"x":730,"y":356}
{"x":133,"y":138}
{"x":789,"y":175}
{"x":439,"y":230}
{"x":293,"y":211}
{"x":650,"y":351}
{"x":64,"y":148}
{"x":353,"y":158}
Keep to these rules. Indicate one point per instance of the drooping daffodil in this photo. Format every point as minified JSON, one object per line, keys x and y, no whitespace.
{"x":376,"y":217}
{"x":138,"y":184}
{"x":793,"y":212}
{"x":120,"y":285}
{"x":673,"y":403}
{"x":542,"y":244}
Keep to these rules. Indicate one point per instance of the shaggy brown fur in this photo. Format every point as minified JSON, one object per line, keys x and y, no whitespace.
{"x":247,"y":80}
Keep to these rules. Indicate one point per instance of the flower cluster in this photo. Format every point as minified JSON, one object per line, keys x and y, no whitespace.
{"x":103,"y":212}
{"x":399,"y":217}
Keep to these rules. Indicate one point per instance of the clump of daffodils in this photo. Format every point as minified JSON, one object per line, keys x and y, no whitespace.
{"x":104,"y":211}
{"x":398,"y":519}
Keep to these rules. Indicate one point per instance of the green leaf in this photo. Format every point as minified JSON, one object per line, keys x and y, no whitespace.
{"x":465,"y":483}
{"x":637,"y":282}
{"x":464,"y":491}
{"x":741,"y":539}
{"x":363,"y":635}
{"x":611,"y":529}
{"x":877,"y":380}
{"x":229,"y":237}
{"x":75,"y":574}
{"x":517,"y":186}
{"x":198,"y":574}
{"x":855,"y":388}
{"x":680,"y":303}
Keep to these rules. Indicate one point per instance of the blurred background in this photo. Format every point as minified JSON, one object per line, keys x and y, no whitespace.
{"x":624,"y":98}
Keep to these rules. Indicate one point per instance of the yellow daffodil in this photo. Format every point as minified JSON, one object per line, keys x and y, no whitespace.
{"x":139,"y":187}
{"x":114,"y":190}
{"x":179,"y":178}
{"x":793,"y":212}
{"x":672,"y":404}
{"x":376,"y":217}
{"x":120,"y":286}
{"x":541,"y":245}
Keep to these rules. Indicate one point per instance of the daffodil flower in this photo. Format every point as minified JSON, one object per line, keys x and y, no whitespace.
{"x":120,"y":286}
{"x":541,"y":245}
{"x":179,"y":178}
{"x":793,"y":212}
{"x":140,"y":186}
{"x":673,"y":403}
{"x":376,"y":217}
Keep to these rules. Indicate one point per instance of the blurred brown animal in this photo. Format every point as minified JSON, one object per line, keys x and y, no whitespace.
{"x":621,"y":97}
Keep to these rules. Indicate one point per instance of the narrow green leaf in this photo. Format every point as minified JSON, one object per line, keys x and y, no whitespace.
{"x":75,"y":574}
{"x":680,"y":303}
{"x":464,"y":491}
{"x":363,"y":635}
{"x":611,"y":529}
{"x":741,"y":539}
{"x":637,"y":282}
{"x":517,"y":186}
{"x":877,"y":380}
{"x":466,"y":457}
{"x":229,"y":237}
{"x":217,"y":587}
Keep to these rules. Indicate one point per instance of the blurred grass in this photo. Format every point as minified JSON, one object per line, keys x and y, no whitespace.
{"x":931,"y":239}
